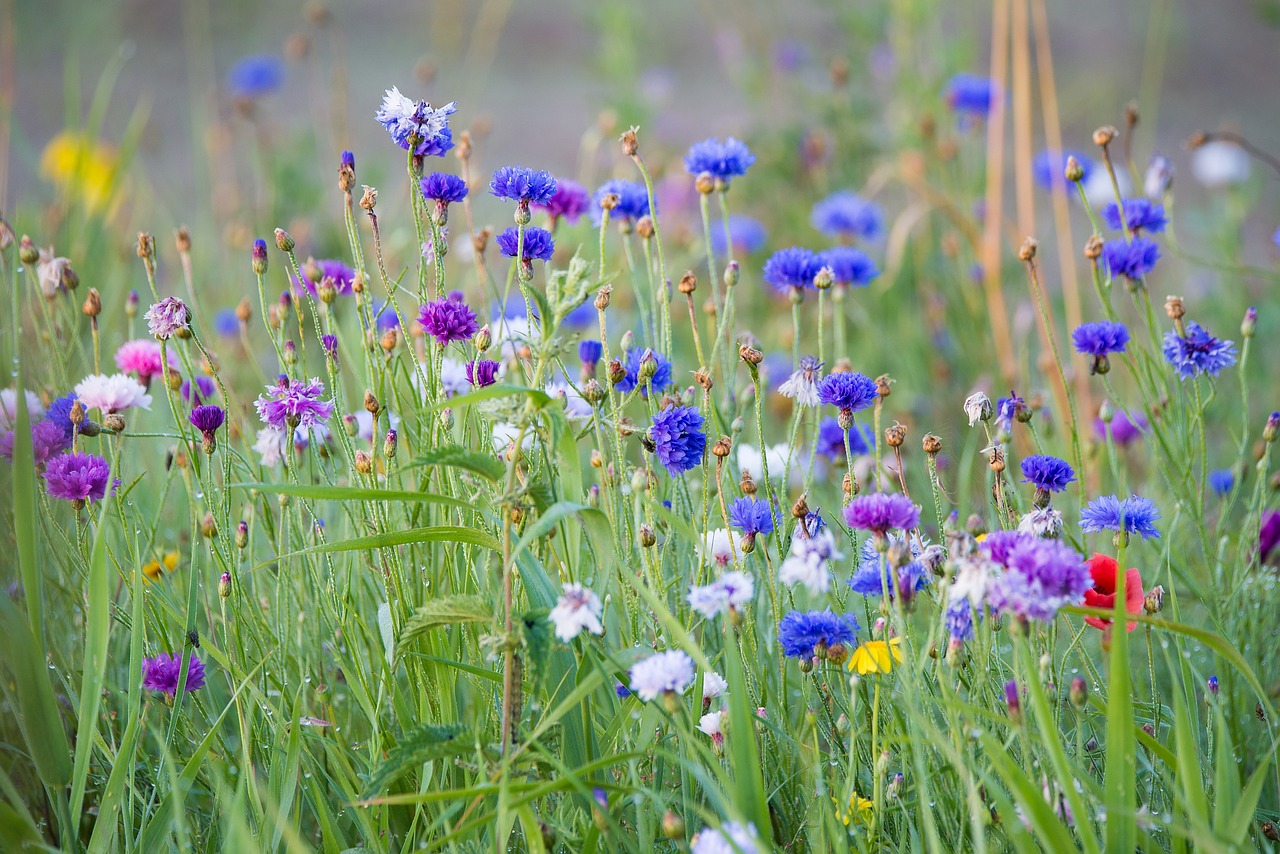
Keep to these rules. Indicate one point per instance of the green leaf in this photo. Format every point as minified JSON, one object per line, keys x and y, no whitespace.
{"x":321,"y":492}
{"x":442,"y":533}
{"x":25,"y":527}
{"x":38,"y":716}
{"x":419,"y":745}
{"x":449,"y":610}
{"x":1120,"y":777}
{"x":492,"y":392}
{"x":486,"y":465}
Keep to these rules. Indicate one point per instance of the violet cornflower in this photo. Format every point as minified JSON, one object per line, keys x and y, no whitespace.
{"x":1124,"y":516}
{"x":538,"y":243}
{"x":294,"y":404}
{"x":164,"y":671}
{"x":1139,"y":214}
{"x":791,"y":270}
{"x":482,"y":372}
{"x":1133,"y":260}
{"x":805,"y":634}
{"x":632,"y":201}
{"x":722,"y":160}
{"x":881,"y":512}
{"x":207,"y":419}
{"x":77,"y":477}
{"x":255,"y":76}
{"x":751,"y":515}
{"x":847,"y":215}
{"x":523,"y":185}
{"x":448,"y":320}
{"x":1047,"y":473}
{"x":848,"y":391}
{"x":1040,"y":575}
{"x":1197,"y":352}
{"x":971,"y":94}
{"x":1100,"y":340}
{"x":443,"y":188}
{"x":849,"y":266}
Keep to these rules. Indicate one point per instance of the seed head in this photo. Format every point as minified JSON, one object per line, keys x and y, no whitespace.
{"x":1103,"y":136}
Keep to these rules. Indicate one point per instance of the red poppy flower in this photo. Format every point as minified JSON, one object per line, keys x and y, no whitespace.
{"x":1103,"y":594}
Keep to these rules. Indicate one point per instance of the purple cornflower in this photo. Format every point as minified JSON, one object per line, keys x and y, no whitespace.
{"x":1133,"y":260}
{"x":633,"y":201}
{"x":830,"y":441}
{"x":800,"y":633}
{"x":1139,"y":214}
{"x":167,"y":318}
{"x":255,"y":76}
{"x":448,"y":320}
{"x":959,"y":620}
{"x":880,"y":512}
{"x":523,"y":185}
{"x":1009,"y":409}
{"x":77,"y":477}
{"x":873,"y":576}
{"x":1013,"y":702}
{"x":751,"y":515}
{"x":724,"y":161}
{"x":207,"y":419}
{"x":163,"y":672}
{"x":570,"y":201}
{"x":590,"y":352}
{"x":970,"y":93}
{"x":678,"y":438}
{"x":845,"y":214}
{"x":848,"y":391}
{"x":635,"y":358}
{"x":47,"y":439}
{"x":482,"y":372}
{"x":331,"y":269}
{"x":1040,"y":575}
{"x":849,"y":266}
{"x":294,"y":404}
{"x":1197,"y":352}
{"x":746,"y":235}
{"x":1048,"y":473}
{"x":1100,"y":339}
{"x":1125,"y":428}
{"x":444,"y":188}
{"x":329,"y":343}
{"x":791,"y":269}
{"x":416,"y":125}
{"x":537,"y":243}
{"x":204,"y":390}
{"x":1132,"y":515}
{"x":1049,"y":167}
{"x":259,"y":259}
{"x":1268,"y":534}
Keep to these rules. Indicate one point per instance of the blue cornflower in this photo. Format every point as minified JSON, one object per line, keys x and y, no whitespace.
{"x":847,"y":391}
{"x":746,"y":234}
{"x":830,"y":441}
{"x":443,"y":187}
{"x":846,"y":214}
{"x":801,"y":631}
{"x":1049,"y":167}
{"x":872,"y":575}
{"x":1009,"y":409}
{"x":959,"y":620}
{"x":1132,"y":515}
{"x":1139,"y":214}
{"x":523,"y":185}
{"x":1222,"y":481}
{"x":1133,"y":260}
{"x":678,"y":439}
{"x":969,"y":93}
{"x":59,"y":412}
{"x":226,"y":323}
{"x":849,"y":266}
{"x":384,"y":314}
{"x":751,"y":515}
{"x":590,"y":352}
{"x":538,"y":243}
{"x":661,"y":376}
{"x":792,"y":268}
{"x":1100,"y":339}
{"x":254,"y":76}
{"x":1197,"y":352}
{"x":723,"y":160}
{"x":1048,"y":473}
{"x":633,"y":200}
{"x":417,"y":124}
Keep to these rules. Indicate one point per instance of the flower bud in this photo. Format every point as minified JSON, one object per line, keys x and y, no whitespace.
{"x":672,"y":825}
{"x":615,"y":372}
{"x":894,"y":436}
{"x":1174,"y":307}
{"x":224,"y":585}
{"x":1093,"y":248}
{"x":446,"y":419}
{"x":364,"y":465}
{"x":1079,"y":693}
{"x":824,"y":279}
{"x":369,"y":199}
{"x":1272,"y":427}
{"x":1153,"y":603}
{"x":704,"y":183}
{"x":978,"y":407}
{"x":647,"y":536}
{"x":1027,"y":251}
{"x":1074,"y":171}
{"x":242,"y":534}
{"x":688,"y":283}
{"x":731,"y":274}
{"x":932,"y":444}
{"x":747,"y":485}
{"x":630,"y":144}
{"x":284,"y":240}
{"x":389,"y":340}
{"x":390,"y":444}
{"x":1103,"y":136}
{"x":27,"y":251}
{"x":722,"y":447}
{"x":1250,"y":323}
{"x":602,"y":297}
{"x":750,"y":355}
{"x":92,"y":303}
{"x":208,"y":527}
{"x":113,"y":421}
{"x":371,"y":403}
{"x":1012,"y":701}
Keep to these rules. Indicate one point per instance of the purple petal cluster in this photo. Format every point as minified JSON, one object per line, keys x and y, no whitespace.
{"x":207,"y":419}
{"x":205,"y":389}
{"x":678,"y":438}
{"x":848,"y":391}
{"x":1125,"y":428}
{"x":1140,"y":214}
{"x":313,"y":272}
{"x":1197,"y":352}
{"x":167,"y":317}
{"x":751,"y":515}
{"x":633,"y":200}
{"x":537,"y":243}
{"x":443,"y":187}
{"x":77,"y":477}
{"x":1100,"y":339}
{"x":570,"y":201}
{"x":1133,"y":260}
{"x":482,"y":372}
{"x":830,"y":441}
{"x":1040,"y":575}
{"x":723,"y":160}
{"x":846,"y":214}
{"x":1132,"y":515}
{"x":448,"y":320}
{"x":800,"y":631}
{"x":163,"y":672}
{"x":47,"y":439}
{"x":1046,"y":472}
{"x":849,"y":266}
{"x":881,"y":512}
{"x":959,"y":620}
{"x":291,"y":404}
{"x":523,"y":185}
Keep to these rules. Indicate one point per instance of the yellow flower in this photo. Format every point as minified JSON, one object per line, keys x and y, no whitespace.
{"x":876,"y":656}
{"x":859,"y":809}
{"x":81,"y":166}
{"x":156,"y":569}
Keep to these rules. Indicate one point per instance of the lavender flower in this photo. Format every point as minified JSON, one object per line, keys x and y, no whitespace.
{"x":849,"y":266}
{"x":255,"y":76}
{"x":724,"y":161}
{"x":523,"y":185}
{"x":678,"y":438}
{"x":830,"y":441}
{"x":1131,"y":515}
{"x":1139,"y":214}
{"x":443,"y":187}
{"x":1133,"y":260}
{"x":1047,"y":473}
{"x":669,"y":672}
{"x":807,"y":563}
{"x":746,"y":235}
{"x":59,"y":413}
{"x":633,"y":201}
{"x":167,"y":318}
{"x":448,"y":320}
{"x":791,"y":269}
{"x":47,"y":439}
{"x":164,"y":671}
{"x":294,"y":404}
{"x":329,"y":343}
{"x":848,"y":391}
{"x":958,"y":620}
{"x":661,"y":374}
{"x":751,"y":515}
{"x":728,"y":592}
{"x":482,"y":372}
{"x":880,"y":512}
{"x":1197,"y":352}
{"x":538,"y":243}
{"x":205,"y":388}
{"x":969,"y":93}
{"x":570,"y":201}
{"x":847,"y":215}
{"x":1040,"y":575}
{"x":77,"y":477}
{"x":330,"y":270}
{"x":1125,"y":428}
{"x":416,"y":125}
{"x":802,"y":633}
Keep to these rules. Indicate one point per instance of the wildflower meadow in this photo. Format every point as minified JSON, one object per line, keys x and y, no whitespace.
{"x":888,"y":468}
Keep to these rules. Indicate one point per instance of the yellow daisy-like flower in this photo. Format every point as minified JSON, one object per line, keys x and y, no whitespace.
{"x":156,"y":569}
{"x":876,"y":656}
{"x":81,"y":166}
{"x":860,"y":809}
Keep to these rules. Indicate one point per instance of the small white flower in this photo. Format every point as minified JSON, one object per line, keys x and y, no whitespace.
{"x":731,"y":590}
{"x":665,"y":671}
{"x":504,"y":436}
{"x":577,"y":608}
{"x":270,"y":446}
{"x":1158,"y":179}
{"x":978,"y":407}
{"x":1220,"y":164}
{"x":50,"y":271}
{"x":396,"y":106}
{"x":713,"y":685}
{"x":9,"y":408}
{"x":719,"y":546}
{"x":750,"y":461}
{"x":974,"y":579}
{"x":364,"y":421}
{"x":802,"y":386}
{"x":807,"y":562}
{"x":731,"y":838}
{"x":1042,"y":521}
{"x":1098,"y":189}
{"x":114,"y":393}
{"x":576,"y":407}
{"x":709,"y":724}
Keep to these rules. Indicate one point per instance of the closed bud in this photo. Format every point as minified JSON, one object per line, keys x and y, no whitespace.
{"x":364,"y":464}
{"x":1250,"y":323}
{"x":208,"y":527}
{"x":1153,"y":603}
{"x":592,"y":392}
{"x":894,"y":436}
{"x":71,"y":279}
{"x":371,"y":403}
{"x":705,"y":183}
{"x":672,"y":825}
{"x":1271,"y":428}
{"x":284,"y":240}
{"x":390,"y":444}
{"x":602,"y":297}
{"x":146,"y":246}
{"x":644,"y":227}
{"x":369,"y":199}
{"x":688,"y":283}
{"x":995,"y":459}
{"x":731,"y":274}
{"x":1093,"y":248}
{"x":92,"y":303}
{"x":1103,"y":136}
{"x":242,"y":535}
{"x":389,"y":340}
{"x":628,"y":341}
{"x":824,"y":279}
{"x":630,"y":143}
{"x":89,"y":429}
{"x":750,"y":355}
{"x":615,"y":372}
{"x":800,"y":509}
{"x":290,"y":353}
{"x":597,"y":461}
{"x":27,"y":251}
{"x":932,"y":444}
{"x":647,"y":536}
{"x":1074,"y":171}
{"x":327,"y":291}
{"x":1027,"y":251}
{"x":483,"y":339}
{"x":722,"y":447}
{"x":747,"y":484}
{"x":1175,"y":308}
{"x":347,"y":172}
{"x":446,"y":419}
{"x":883,"y":385}
{"x":1079,"y":693}
{"x":173,"y":379}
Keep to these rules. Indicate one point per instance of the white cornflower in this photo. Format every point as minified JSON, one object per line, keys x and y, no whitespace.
{"x":114,"y":393}
{"x":974,"y":579}
{"x":9,"y":408}
{"x":1098,"y":189}
{"x":1219,"y":164}
{"x":576,"y":407}
{"x":750,"y":461}
{"x":731,"y":590}
{"x":1042,"y":521}
{"x":270,"y":446}
{"x":1158,"y":179}
{"x":719,"y":546}
{"x":577,"y":608}
{"x":504,"y":436}
{"x":669,"y":672}
{"x":709,"y":724}
{"x":713,"y":685}
{"x":807,"y":562}
{"x":802,"y":386}
{"x":730,"y":838}
{"x":978,"y":407}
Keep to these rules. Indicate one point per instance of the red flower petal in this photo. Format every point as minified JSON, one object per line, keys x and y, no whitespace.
{"x":1103,"y":595}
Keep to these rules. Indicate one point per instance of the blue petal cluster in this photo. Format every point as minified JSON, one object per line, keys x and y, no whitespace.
{"x":830,"y":441}
{"x":723,"y":160}
{"x":849,"y":266}
{"x":969,"y":93}
{"x":1140,"y":214}
{"x":678,"y":439}
{"x":1047,"y":473}
{"x":408,"y":121}
{"x":873,"y":576}
{"x":800,"y":631}
{"x":633,"y":200}
{"x":521,"y":184}
{"x":1100,"y":339}
{"x":792,"y":268}
{"x":1133,"y":260}
{"x":661,"y":377}
{"x":751,"y":515}
{"x":590,"y":351}
{"x":537,"y":243}
{"x":443,"y":187}
{"x":746,"y":235}
{"x":1049,"y":167}
{"x":255,"y":76}
{"x":847,"y":390}
{"x":846,"y":214}
{"x":1197,"y":352}
{"x":1132,"y":515}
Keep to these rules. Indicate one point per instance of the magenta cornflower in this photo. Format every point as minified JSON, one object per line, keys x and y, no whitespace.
{"x":77,"y":477}
{"x":448,"y":320}
{"x":881,"y":512}
{"x":570,"y":201}
{"x":141,"y":356}
{"x":482,"y":372}
{"x":163,"y":673}
{"x":294,"y":404}
{"x":168,"y":318}
{"x":329,"y":270}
